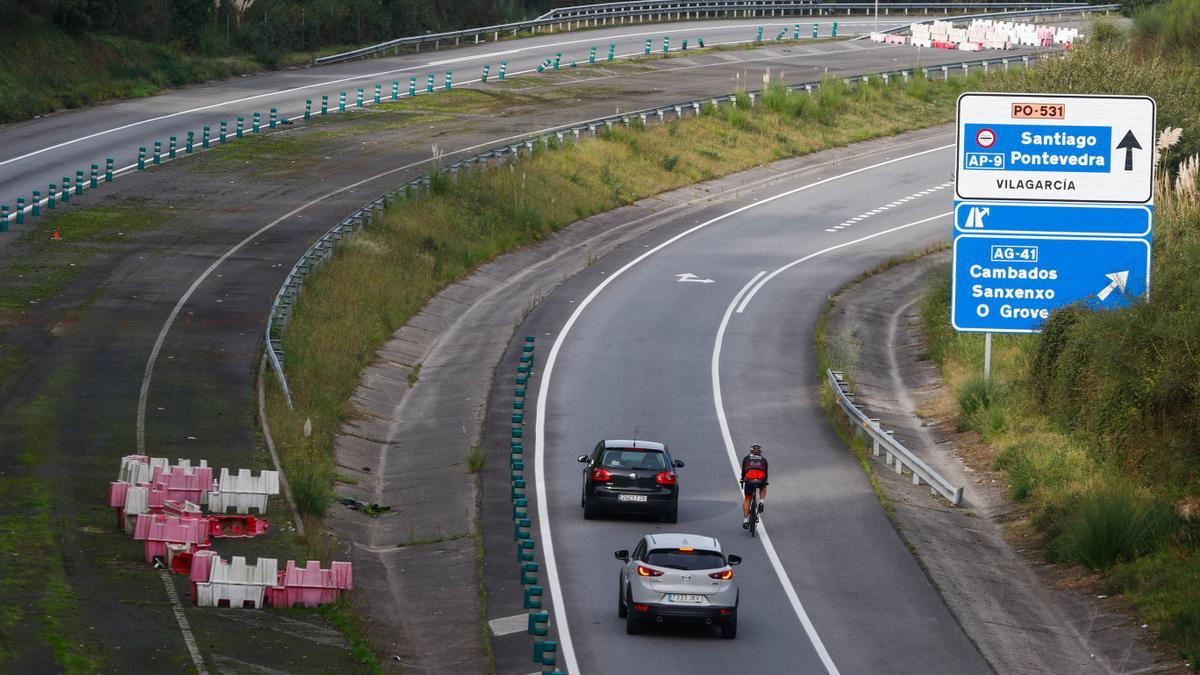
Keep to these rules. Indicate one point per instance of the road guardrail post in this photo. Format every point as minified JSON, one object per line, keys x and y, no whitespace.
{"x":758,"y":37}
{"x":796,"y":32}
{"x":341,"y":102}
{"x":814,"y":33}
{"x":647,"y":46}
{"x":224,"y":131}
{"x":37,"y":203}
{"x":95,"y":175}
{"x":256,"y":122}
{"x":503,"y":67}
{"x":377,"y":90}
{"x":539,"y":624}
{"x":483,"y":78}
{"x":190,"y":142}
{"x":20,"y":211}
{"x":275,"y":117}
{"x":412,"y":86}
{"x":141,"y":160}
{"x":108,"y":170}
{"x":66,"y":184}
{"x":51,"y":193}
{"x":429,"y":83}
{"x":171,"y":143}
{"x":449,"y":79}
{"x":204,"y":137}
{"x":666,"y":44}
{"x":307,"y":108}
{"x":592,"y":56}
{"x":3,"y":217}
{"x":612,"y":48}
{"x":395,"y":90}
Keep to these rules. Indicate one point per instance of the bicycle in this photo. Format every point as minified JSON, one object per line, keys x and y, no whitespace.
{"x":755,"y":509}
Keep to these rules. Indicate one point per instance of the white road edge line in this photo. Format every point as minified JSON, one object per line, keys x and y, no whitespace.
{"x":810,"y":256}
{"x":539,"y":436}
{"x":189,"y":638}
{"x":809,"y":629}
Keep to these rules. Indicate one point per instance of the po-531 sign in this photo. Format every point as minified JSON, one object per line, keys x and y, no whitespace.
{"x":1049,"y":147}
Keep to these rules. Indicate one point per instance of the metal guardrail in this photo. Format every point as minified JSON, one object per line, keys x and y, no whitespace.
{"x":686,"y":9}
{"x":895,"y":454}
{"x":289,"y":292}
{"x":1085,"y":9}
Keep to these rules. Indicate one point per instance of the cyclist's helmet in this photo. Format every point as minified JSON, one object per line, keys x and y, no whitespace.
{"x":756,"y":449}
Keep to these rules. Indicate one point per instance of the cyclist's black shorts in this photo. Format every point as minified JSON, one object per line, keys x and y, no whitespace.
{"x":751,"y":485}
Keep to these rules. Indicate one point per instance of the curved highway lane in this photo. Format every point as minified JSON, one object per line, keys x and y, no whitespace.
{"x":42,"y":151}
{"x":710,"y":368}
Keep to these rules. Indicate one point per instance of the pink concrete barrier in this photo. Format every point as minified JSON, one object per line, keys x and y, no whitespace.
{"x":159,"y":530}
{"x":310,"y":585}
{"x":188,"y":483}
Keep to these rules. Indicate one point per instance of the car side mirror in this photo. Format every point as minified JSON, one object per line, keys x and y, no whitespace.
{"x":678,"y":464}
{"x":622,"y":555}
{"x":735,"y":559}
{"x":582,"y":458}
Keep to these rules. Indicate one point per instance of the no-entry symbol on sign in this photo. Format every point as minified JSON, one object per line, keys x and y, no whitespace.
{"x":985,"y":138}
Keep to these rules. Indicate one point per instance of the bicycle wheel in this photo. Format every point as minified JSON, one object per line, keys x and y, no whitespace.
{"x":753,"y":515}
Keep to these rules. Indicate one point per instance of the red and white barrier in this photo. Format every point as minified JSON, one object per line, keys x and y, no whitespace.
{"x":160,"y":530}
{"x":243,"y":491}
{"x":310,"y":585}
{"x":216,"y":583}
{"x":987,"y":34}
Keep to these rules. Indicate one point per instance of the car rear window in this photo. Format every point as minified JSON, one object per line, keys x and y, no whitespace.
{"x":633,"y":458}
{"x":685,"y":559}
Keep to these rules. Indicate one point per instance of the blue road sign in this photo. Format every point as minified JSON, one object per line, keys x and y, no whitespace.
{"x":1053,"y":219}
{"x":1011,"y":284}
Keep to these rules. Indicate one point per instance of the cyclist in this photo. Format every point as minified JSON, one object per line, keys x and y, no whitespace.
{"x":754,"y":476}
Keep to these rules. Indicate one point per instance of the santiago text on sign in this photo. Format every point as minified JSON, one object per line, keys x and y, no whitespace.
{"x":1026,"y":147}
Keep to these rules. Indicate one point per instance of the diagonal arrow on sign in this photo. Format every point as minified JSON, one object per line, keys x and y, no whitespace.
{"x":688,"y":276}
{"x":1117,"y":281}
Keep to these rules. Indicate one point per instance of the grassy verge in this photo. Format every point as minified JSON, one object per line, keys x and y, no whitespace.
{"x":428,"y":241}
{"x":1095,"y":420}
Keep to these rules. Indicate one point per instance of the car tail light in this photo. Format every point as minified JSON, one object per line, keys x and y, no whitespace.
{"x":723,"y":575}
{"x":641,"y":608}
{"x":644,"y":571}
{"x":665,"y":478}
{"x":602,"y":474}
{"x":725,"y":611}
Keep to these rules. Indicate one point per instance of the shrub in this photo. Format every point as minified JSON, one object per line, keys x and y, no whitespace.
{"x":1112,"y":523}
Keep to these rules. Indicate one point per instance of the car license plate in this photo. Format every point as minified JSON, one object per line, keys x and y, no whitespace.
{"x":631,"y":498}
{"x":680,"y":597}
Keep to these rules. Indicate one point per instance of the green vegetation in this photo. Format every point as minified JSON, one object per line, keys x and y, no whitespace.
{"x":476,"y":459}
{"x":426,"y":241}
{"x":1096,"y":420}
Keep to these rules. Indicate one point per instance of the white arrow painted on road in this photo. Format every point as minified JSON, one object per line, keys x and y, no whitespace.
{"x":1117,"y":281}
{"x":693,"y":278}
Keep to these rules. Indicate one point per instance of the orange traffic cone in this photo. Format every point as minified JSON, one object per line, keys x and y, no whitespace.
{"x":56,"y":236}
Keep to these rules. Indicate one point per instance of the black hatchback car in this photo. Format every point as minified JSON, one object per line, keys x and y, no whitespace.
{"x":630,"y":477}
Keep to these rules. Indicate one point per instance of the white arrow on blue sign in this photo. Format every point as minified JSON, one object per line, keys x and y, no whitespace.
{"x":1011,"y":284}
{"x":1098,"y":220}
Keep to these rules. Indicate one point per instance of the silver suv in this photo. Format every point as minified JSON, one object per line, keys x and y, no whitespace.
{"x":678,"y":577}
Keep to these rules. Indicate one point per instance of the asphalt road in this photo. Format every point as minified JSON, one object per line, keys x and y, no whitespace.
{"x":638,"y":350}
{"x":44,"y":150}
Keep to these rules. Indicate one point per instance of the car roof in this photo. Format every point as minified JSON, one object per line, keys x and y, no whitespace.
{"x":678,"y":540}
{"x":641,"y":445}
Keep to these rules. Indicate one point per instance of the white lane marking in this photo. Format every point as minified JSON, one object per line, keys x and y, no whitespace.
{"x":507,"y":625}
{"x":772,"y":275}
{"x":417,"y":68}
{"x":539,"y":435}
{"x":809,"y":629}
{"x":162,"y":335}
{"x":177,"y":607}
{"x":873,"y":212}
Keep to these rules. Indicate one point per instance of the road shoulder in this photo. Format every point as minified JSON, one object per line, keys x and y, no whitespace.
{"x":1024,"y":614}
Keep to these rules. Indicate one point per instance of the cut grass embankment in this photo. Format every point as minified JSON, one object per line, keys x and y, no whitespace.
{"x":427,"y":241}
{"x":1096,"y":420}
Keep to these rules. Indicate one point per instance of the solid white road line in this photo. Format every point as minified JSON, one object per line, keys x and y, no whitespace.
{"x":809,"y":629}
{"x":364,"y":76}
{"x":539,"y":436}
{"x":810,"y":256}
